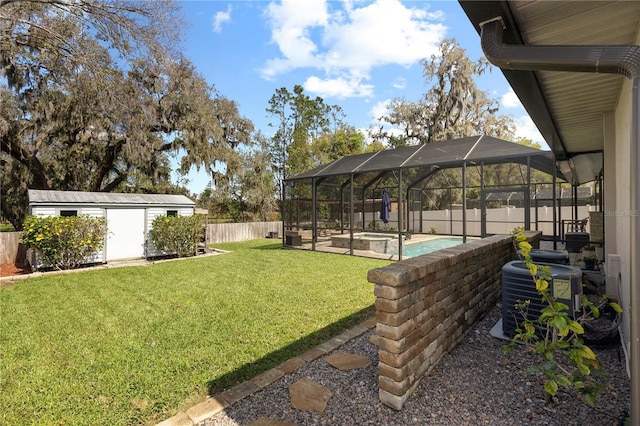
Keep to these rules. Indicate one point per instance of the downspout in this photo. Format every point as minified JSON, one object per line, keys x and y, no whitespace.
{"x":623,"y":60}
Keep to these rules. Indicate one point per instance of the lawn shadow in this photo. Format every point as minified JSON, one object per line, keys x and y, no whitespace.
{"x":274,"y":359}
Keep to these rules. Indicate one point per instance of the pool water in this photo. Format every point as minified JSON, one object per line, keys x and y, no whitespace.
{"x":424,"y":247}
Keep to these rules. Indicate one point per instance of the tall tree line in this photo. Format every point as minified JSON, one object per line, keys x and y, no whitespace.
{"x":96,"y":96}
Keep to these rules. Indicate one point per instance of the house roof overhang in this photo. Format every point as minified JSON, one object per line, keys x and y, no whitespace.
{"x":567,"y":107}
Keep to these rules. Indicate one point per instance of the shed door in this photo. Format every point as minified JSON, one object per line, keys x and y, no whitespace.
{"x":125,"y":238}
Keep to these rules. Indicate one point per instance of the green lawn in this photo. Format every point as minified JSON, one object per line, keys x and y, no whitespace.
{"x":135,"y":345}
{"x":6,"y":227}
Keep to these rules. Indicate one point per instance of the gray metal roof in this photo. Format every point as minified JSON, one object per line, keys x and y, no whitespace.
{"x":444,"y":154}
{"x":38,"y":196}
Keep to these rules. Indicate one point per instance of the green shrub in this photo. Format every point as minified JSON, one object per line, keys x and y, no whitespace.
{"x":64,"y":242}
{"x":6,"y":227}
{"x":556,"y":337}
{"x":177,"y":234}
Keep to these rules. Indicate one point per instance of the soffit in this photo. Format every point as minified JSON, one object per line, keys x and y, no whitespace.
{"x":577,"y":101}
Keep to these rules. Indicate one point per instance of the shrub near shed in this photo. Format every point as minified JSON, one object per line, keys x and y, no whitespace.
{"x":64,"y":242}
{"x":177,"y":234}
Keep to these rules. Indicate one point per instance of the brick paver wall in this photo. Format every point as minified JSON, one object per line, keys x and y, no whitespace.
{"x":425,"y":304}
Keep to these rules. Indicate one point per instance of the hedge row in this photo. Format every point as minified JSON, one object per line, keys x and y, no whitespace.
{"x":68,"y":242}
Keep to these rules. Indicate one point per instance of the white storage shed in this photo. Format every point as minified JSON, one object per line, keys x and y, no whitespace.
{"x":129,"y":216}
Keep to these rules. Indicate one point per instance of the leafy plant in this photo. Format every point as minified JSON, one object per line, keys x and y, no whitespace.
{"x":589,"y":261}
{"x":6,"y":227}
{"x":64,"y":242}
{"x":373,"y":225}
{"x":556,"y":336}
{"x":518,"y":230}
{"x":178,"y":235}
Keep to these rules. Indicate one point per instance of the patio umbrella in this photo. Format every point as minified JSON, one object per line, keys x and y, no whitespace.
{"x":385,"y":208}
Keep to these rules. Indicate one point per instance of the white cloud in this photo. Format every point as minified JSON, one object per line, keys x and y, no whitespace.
{"x":399,"y":83}
{"x":346,"y":41}
{"x":383,"y":32}
{"x":379,"y":109}
{"x":292,"y":22}
{"x":338,"y":87}
{"x":221,"y":18}
{"x":525,"y":128}
{"x":510,"y":100}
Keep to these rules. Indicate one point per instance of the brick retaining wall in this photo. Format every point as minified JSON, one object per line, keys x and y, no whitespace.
{"x":425,"y":304}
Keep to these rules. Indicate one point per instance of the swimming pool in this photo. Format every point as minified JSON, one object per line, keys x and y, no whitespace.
{"x":424,"y":247}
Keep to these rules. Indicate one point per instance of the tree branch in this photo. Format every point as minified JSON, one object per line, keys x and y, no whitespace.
{"x":114,"y":183}
{"x":31,"y":162}
{"x":106,"y":164}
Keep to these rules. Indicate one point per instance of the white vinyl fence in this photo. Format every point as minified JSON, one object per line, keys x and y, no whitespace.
{"x":499,"y":221}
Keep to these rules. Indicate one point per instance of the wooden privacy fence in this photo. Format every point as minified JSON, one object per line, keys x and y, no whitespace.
{"x":229,"y":232}
{"x":11,"y":250}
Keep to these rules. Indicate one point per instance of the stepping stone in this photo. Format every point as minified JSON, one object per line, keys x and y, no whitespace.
{"x":266,"y":421}
{"x":346,"y":361}
{"x":307,"y":395}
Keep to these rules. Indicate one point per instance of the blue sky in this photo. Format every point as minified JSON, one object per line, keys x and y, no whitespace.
{"x":355,"y":54}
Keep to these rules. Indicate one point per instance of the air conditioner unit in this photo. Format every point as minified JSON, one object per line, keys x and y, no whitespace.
{"x":560,"y":257}
{"x":518,"y":286}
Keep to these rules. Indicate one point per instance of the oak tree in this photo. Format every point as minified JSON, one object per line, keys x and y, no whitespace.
{"x":96,"y":98}
{"x":453,"y":107}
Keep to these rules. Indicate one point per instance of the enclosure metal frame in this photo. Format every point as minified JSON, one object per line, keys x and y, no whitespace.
{"x":461,"y":153}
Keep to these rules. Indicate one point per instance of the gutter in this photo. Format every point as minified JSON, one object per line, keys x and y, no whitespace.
{"x":612,"y":59}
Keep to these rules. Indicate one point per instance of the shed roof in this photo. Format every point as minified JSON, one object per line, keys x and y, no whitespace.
{"x":445,"y":154}
{"x":39,"y":196}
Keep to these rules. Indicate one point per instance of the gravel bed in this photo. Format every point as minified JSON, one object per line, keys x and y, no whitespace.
{"x":474,"y":384}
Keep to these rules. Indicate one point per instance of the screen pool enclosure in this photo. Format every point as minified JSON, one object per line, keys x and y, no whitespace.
{"x":346,"y":196}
